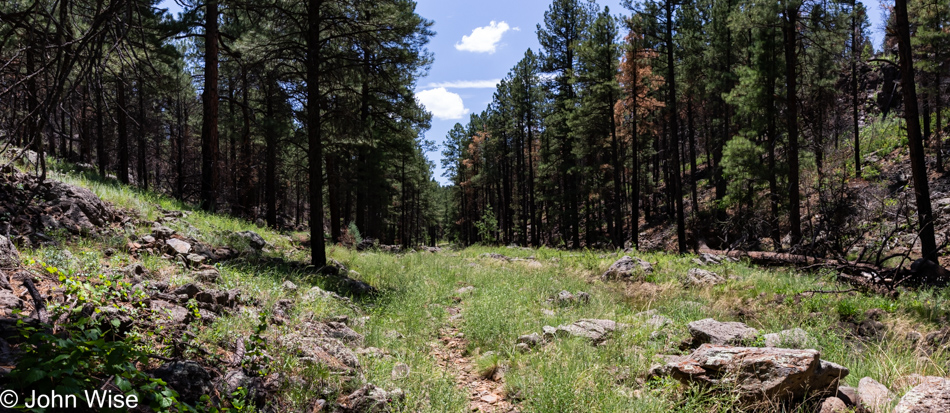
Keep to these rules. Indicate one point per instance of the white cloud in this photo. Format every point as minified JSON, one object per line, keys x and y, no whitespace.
{"x":468,"y":84}
{"x":484,"y":39}
{"x":442,"y":103}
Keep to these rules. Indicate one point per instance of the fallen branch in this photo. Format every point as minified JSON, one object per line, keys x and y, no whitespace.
{"x":862,"y":275}
{"x":38,"y":302}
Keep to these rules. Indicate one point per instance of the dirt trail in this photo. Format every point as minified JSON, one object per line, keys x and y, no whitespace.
{"x":484,"y":394}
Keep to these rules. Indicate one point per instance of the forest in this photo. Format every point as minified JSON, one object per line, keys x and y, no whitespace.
{"x":681,"y":206}
{"x":738,"y":123}
{"x":720,"y":123}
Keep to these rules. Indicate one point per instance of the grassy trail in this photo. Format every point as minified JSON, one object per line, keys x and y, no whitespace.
{"x":421,"y":320}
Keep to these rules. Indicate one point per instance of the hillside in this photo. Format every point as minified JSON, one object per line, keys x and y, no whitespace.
{"x":244,"y":324}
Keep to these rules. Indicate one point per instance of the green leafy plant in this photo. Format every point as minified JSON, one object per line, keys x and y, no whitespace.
{"x":80,"y":358}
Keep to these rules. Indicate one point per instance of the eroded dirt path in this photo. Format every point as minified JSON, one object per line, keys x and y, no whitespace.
{"x":484,"y":394}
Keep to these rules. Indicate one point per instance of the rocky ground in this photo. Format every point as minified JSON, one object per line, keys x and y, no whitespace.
{"x":229,"y":316}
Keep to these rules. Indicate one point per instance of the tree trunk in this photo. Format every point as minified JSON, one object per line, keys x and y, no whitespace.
{"x":674,"y":133}
{"x":209,"y":120}
{"x":314,"y":132}
{"x":912,"y":117}
{"x":854,"y":93}
{"x":123,"y":133}
{"x":791,"y":95}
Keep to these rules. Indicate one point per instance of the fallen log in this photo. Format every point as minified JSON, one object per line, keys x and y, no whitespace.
{"x":862,"y":275}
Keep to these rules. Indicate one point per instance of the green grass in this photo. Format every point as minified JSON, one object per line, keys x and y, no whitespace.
{"x":511,"y":299}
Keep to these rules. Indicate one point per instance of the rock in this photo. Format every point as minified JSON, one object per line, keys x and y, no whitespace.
{"x":177,"y":246}
{"x":531,"y":340}
{"x":190,"y":289}
{"x":254,"y":240}
{"x":83,"y":211}
{"x":400,"y":371}
{"x":496,"y":256}
{"x":932,"y":395}
{"x":9,"y":256}
{"x":188,"y":378}
{"x":9,"y":302}
{"x":195,"y":259}
{"x":548,"y":313}
{"x":564,"y":298}
{"x":366,"y":244}
{"x":712,"y":259}
{"x":582,"y":297}
{"x":289,"y":286}
{"x":166,"y":313}
{"x":702,"y":278}
{"x":210,"y":275}
{"x":283,"y":307}
{"x":548,"y":332}
{"x":326,"y":351}
{"x":593,"y":329}
{"x":849,"y":395}
{"x":794,"y":338}
{"x":874,"y":396}
{"x":134,"y":270}
{"x":833,"y":405}
{"x":626,"y":268}
{"x":147,"y":239}
{"x":522,"y":347}
{"x":663,"y":369}
{"x":369,"y":399}
{"x":465,"y":290}
{"x":723,"y":333}
{"x":758,"y":373}
{"x":160,"y":231}
{"x":939,"y":338}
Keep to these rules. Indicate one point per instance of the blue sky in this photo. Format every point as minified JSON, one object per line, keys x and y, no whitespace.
{"x":475,"y":45}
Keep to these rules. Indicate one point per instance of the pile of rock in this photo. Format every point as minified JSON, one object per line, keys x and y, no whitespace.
{"x":37,"y":208}
{"x":595,"y":330}
{"x":164,"y":240}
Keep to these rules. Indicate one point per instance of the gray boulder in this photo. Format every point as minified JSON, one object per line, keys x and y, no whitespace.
{"x":177,"y":246}
{"x":593,"y":329}
{"x":254,"y":240}
{"x":9,"y":256}
{"x":626,"y":268}
{"x":722,"y":333}
{"x":9,"y":301}
{"x":874,"y":396}
{"x":932,"y":395}
{"x":702,"y":278}
{"x":758,"y":374}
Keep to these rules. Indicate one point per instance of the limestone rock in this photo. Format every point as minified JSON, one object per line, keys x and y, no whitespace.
{"x":723,"y":333}
{"x":626,"y":268}
{"x":593,"y":329}
{"x":930,"y":396}
{"x":875,"y":397}
{"x":758,"y":373}
{"x":177,"y":246}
